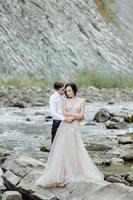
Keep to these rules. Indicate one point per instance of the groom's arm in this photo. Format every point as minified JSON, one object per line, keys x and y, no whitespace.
{"x":54,"y":113}
{"x":82,"y":110}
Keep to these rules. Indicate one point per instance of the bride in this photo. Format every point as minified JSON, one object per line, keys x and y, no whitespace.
{"x":68,"y":160}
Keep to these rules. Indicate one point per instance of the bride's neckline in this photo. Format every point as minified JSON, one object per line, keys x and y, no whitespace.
{"x":72,"y":99}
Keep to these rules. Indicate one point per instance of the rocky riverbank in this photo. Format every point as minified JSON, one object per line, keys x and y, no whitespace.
{"x":21,"y":175}
{"x":13,"y":97}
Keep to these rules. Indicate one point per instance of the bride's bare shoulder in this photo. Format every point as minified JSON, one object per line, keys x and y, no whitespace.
{"x":81,"y":100}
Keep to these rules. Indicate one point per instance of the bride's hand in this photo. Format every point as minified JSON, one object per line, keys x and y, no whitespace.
{"x":69,"y":119}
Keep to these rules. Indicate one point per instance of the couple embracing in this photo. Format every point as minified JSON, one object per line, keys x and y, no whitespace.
{"x":68,"y":159}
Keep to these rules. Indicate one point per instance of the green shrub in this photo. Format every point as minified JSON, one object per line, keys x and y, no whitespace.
{"x":93,"y":77}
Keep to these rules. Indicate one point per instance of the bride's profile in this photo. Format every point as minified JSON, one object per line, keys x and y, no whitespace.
{"x":68,"y":159}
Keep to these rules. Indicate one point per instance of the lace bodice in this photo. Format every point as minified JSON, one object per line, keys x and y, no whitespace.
{"x":73,"y":106}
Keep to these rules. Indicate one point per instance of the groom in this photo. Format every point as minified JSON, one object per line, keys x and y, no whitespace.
{"x":55,"y":103}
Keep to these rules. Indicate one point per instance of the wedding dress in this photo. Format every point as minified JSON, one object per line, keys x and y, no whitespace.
{"x":68,"y":159}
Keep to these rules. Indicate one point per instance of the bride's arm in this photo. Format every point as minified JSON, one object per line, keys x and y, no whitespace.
{"x":67,"y":114}
{"x":68,"y":118}
{"x":75,"y":116}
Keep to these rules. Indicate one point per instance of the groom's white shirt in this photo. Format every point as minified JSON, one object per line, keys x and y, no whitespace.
{"x":55,"y":103}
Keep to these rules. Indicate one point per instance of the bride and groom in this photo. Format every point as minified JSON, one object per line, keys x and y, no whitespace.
{"x":68,"y":159}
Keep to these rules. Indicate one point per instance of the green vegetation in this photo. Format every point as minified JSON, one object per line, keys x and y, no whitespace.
{"x":84,"y":78}
{"x":108,"y":2}
{"x":91,"y":77}
{"x":20,"y":81}
{"x":26,"y":80}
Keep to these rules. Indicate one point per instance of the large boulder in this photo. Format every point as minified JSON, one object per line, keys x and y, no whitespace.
{"x":102,"y":115}
{"x":128,"y":156}
{"x":2,"y":187}
{"x":22,"y":166}
{"x":125,"y":140}
{"x":12,"y":195}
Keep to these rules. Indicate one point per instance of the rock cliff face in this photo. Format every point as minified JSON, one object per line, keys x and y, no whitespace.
{"x":123,"y":10}
{"x":59,"y":36}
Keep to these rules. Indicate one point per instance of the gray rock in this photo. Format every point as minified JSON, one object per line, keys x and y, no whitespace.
{"x":4,"y":153}
{"x":116,"y":179}
{"x":106,"y":162}
{"x":128,"y":156}
{"x":117,"y":119}
{"x":118,"y":115}
{"x":2,"y":187}
{"x":16,"y":103}
{"x":45,"y":148}
{"x":100,"y":191}
{"x":102,"y":115}
{"x":111,"y":102}
{"x":39,"y":113}
{"x":97,"y":147}
{"x":128,"y":176}
{"x":10,"y":179}
{"x":22,"y":166}
{"x":125,"y":140}
{"x":129,"y":134}
{"x":1,"y":180}
{"x":117,"y":161}
{"x":11,"y":195}
{"x":115,"y":125}
{"x":129,"y":118}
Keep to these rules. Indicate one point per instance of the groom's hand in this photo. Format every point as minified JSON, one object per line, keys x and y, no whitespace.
{"x":69,"y":119}
{"x":79,"y":117}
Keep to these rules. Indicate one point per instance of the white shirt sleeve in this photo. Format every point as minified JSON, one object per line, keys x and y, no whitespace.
{"x":54,"y":113}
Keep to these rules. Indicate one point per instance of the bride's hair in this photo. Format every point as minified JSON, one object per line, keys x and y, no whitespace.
{"x":73,"y":86}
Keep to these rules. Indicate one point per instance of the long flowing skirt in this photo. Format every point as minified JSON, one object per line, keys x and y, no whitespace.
{"x":68,"y":159}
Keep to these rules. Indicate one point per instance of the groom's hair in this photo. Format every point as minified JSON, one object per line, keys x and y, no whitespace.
{"x":58,"y":85}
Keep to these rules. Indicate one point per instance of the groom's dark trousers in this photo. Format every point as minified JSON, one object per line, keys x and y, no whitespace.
{"x":55,"y":126}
